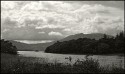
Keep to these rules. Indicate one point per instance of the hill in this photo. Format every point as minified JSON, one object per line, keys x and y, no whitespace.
{"x":30,"y":47}
{"x":96,"y":36}
{"x":105,"y":45}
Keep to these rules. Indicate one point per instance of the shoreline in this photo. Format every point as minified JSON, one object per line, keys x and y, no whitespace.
{"x":115,"y":54}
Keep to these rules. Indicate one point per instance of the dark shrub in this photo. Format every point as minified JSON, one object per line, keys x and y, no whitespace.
{"x":7,"y":47}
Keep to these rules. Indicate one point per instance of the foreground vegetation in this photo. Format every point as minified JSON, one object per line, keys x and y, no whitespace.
{"x":19,"y":64}
{"x":105,"y":45}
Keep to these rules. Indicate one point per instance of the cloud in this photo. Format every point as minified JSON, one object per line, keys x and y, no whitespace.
{"x":41,"y":32}
{"x":54,"y":33}
{"x":7,"y":5}
{"x":33,"y":6}
{"x":7,"y":23}
{"x":50,"y":26}
{"x":66,"y":29}
{"x":5,"y":30}
{"x":29,"y":20}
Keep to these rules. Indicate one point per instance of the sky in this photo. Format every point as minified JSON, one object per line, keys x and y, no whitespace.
{"x":54,"y":20}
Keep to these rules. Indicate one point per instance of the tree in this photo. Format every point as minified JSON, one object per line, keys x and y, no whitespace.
{"x":119,"y":42}
{"x":105,"y":36}
{"x":103,"y":48}
{"x":7,"y":47}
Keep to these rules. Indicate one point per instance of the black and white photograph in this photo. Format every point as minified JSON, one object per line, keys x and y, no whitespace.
{"x":62,"y":36}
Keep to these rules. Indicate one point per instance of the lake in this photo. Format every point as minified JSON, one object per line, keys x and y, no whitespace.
{"x":104,"y":60}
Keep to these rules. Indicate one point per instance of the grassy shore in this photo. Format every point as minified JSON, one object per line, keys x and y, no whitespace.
{"x":19,"y":64}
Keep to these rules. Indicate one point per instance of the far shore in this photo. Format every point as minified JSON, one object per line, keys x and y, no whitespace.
{"x":118,"y":54}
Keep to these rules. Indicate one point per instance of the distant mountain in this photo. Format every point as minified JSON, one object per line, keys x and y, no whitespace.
{"x":42,"y":46}
{"x":30,"y":47}
{"x":81,"y":35}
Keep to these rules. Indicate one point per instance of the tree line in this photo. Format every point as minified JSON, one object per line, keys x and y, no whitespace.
{"x":105,"y":45}
{"x":7,"y":47}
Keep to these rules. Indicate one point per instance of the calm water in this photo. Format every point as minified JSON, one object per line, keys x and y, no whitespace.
{"x":104,"y":60}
